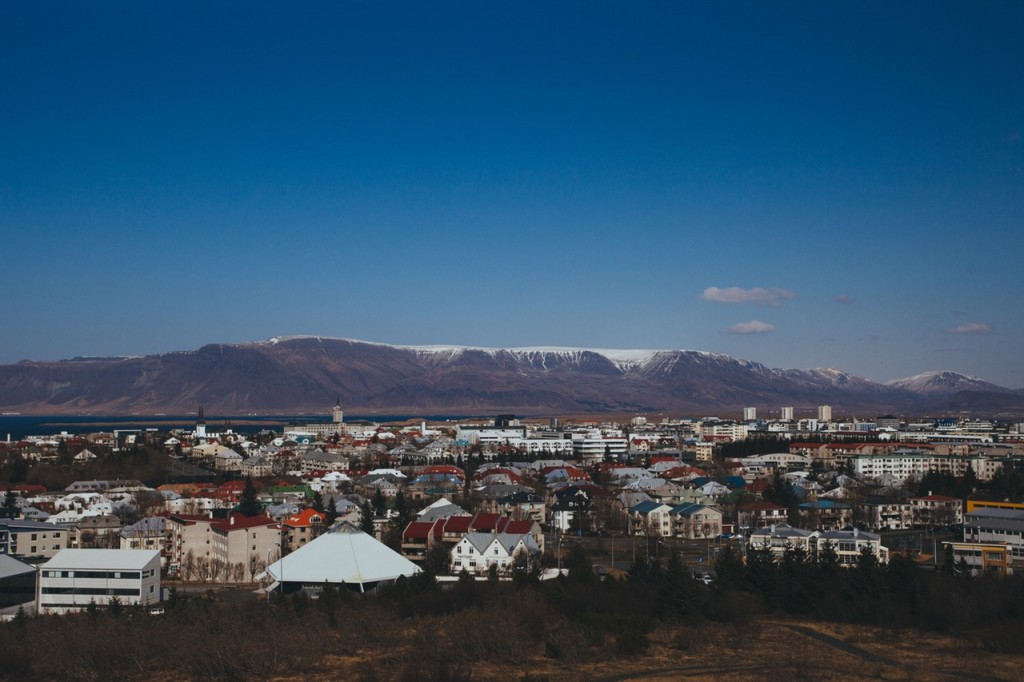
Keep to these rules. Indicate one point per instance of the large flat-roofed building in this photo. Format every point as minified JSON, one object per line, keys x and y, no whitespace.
{"x":76,"y":577}
{"x":994,"y":525}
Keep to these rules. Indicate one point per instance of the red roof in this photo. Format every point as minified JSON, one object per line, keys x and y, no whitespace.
{"x":760,"y":505}
{"x":757,"y":486}
{"x":26,"y":488}
{"x":607,"y":466}
{"x":937,"y":498}
{"x":418,"y":530}
{"x":520,"y":527}
{"x":304,"y":518}
{"x":457,"y":524}
{"x":443,"y":469}
{"x":512,"y":475}
{"x":239,"y":521}
{"x":485,"y":521}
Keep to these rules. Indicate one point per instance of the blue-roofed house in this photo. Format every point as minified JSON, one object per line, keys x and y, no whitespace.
{"x":650,"y":518}
{"x":696,"y":521}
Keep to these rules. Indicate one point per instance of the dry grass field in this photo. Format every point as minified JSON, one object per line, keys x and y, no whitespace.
{"x":761,"y":650}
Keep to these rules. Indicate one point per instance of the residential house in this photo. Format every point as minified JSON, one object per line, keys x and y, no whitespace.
{"x":96,"y":530}
{"x":825,"y":514}
{"x":257,"y":467}
{"x":477,"y":552}
{"x":761,"y":514}
{"x":885,"y":514}
{"x":937,"y":510}
{"x":298,"y":529}
{"x":695,"y":521}
{"x":151,"y":532}
{"x":651,"y":518}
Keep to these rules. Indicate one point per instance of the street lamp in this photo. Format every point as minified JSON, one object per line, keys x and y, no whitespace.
{"x":269,"y":574}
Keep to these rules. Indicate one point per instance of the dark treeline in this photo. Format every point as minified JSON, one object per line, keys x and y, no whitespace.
{"x":417,"y":629}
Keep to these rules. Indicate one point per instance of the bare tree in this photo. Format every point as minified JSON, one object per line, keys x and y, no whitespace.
{"x":256,"y":565}
{"x":188,"y":568}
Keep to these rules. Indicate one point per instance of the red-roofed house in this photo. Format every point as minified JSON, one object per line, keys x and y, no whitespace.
{"x":419,"y":536}
{"x":761,"y":514}
{"x":300,"y":528}
{"x":442,"y":470}
{"x":937,"y":510}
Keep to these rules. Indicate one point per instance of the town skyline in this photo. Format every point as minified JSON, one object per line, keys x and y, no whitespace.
{"x":801,"y":186}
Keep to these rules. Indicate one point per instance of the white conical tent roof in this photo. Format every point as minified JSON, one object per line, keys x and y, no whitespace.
{"x":343,"y":554}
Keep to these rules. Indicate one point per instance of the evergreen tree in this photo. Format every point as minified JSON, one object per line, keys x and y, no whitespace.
{"x":729,"y":568}
{"x":331,"y":512}
{"x":380,"y":505}
{"x":403,"y":514}
{"x":249,"y":503}
{"x":317,"y":504}
{"x":581,"y":570}
{"x":10,"y":509}
{"x":366,"y":520}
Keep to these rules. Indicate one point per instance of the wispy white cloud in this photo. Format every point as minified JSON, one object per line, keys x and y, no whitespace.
{"x":759,"y":295}
{"x":752,"y":327}
{"x":843,"y":298}
{"x":970,"y":328}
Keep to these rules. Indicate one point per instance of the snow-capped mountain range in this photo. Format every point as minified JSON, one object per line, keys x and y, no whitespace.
{"x":302,"y":374}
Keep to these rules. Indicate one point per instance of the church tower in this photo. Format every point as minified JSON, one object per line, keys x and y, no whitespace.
{"x":337,"y":415}
{"x":201,"y":424}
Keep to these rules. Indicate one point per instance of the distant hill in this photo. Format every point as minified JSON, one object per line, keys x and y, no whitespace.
{"x":303,"y":374}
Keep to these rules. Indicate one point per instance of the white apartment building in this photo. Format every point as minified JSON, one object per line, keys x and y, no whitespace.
{"x":592,"y":446}
{"x":723,"y":429}
{"x":824,"y":413}
{"x":552,"y":446}
{"x":75,"y":577}
{"x":847,"y":544}
{"x":912,"y":464}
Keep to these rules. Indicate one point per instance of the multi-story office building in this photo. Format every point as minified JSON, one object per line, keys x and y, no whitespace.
{"x":74,"y":578}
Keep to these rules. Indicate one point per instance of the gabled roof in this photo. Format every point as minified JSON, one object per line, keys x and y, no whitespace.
{"x":457,"y":524}
{"x":102,"y":558}
{"x":239,"y":521}
{"x":781,"y":530}
{"x":647,"y":507}
{"x":760,"y":505}
{"x":485,"y":521}
{"x":305,"y":518}
{"x":418,"y":530}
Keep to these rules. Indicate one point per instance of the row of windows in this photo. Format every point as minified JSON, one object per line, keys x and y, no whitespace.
{"x":93,"y":591}
{"x":103,"y":575}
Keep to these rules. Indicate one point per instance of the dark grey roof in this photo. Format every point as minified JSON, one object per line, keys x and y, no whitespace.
{"x":9,"y":566}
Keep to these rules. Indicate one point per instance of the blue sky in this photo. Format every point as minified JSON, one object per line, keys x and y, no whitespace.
{"x":803,"y":184}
